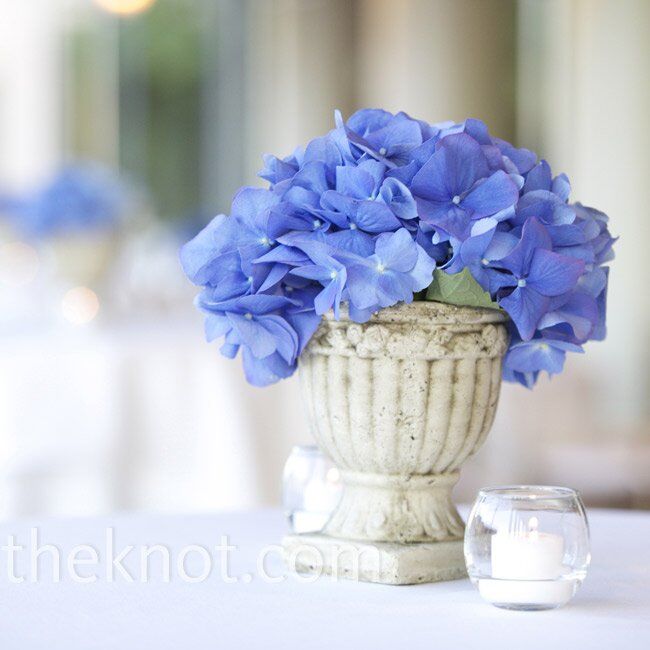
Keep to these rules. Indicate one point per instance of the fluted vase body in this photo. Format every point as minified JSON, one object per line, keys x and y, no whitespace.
{"x":399,"y":403}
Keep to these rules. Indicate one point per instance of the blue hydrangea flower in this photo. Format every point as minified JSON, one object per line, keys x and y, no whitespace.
{"x":394,"y":272}
{"x":539,"y":354}
{"x":330,"y":273}
{"x":364,"y":214}
{"x":385,"y":137}
{"x":481,"y":252}
{"x":208,"y":258}
{"x":254,"y":322}
{"x":277,"y":170}
{"x":354,"y":205}
{"x":455,"y":186}
{"x":536,"y":274}
{"x":541,"y":178}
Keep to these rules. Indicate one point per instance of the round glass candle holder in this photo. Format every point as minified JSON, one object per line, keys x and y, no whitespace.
{"x":311,"y":489}
{"x":527,"y":546}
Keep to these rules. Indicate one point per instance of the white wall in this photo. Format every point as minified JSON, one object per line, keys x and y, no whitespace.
{"x":30,"y":89}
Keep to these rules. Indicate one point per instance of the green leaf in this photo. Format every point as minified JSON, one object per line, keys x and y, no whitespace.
{"x":459,"y":289}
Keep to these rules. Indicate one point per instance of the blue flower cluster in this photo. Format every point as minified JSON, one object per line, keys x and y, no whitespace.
{"x":363,"y":216}
{"x":77,"y":198}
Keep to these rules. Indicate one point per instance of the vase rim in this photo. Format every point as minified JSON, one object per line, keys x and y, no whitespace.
{"x":431,"y":310}
{"x":529,"y":492}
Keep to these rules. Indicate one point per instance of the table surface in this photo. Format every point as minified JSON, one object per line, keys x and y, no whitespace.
{"x":235,"y":607}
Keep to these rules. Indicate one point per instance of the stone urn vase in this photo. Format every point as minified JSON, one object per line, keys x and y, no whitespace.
{"x":398,"y":403}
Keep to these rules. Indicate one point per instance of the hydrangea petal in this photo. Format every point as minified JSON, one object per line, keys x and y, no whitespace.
{"x":352,"y":241}
{"x":362,"y":286}
{"x":464,"y":162}
{"x":533,"y":236}
{"x":200,"y":256}
{"x":552,"y":274}
{"x":355,"y":182}
{"x":398,"y":198}
{"x":252,"y":334}
{"x":539,"y":177}
{"x":536,"y":355}
{"x":397,"y":251}
{"x":580,"y":312}
{"x":266,"y":371}
{"x":422,"y":272}
{"x":525,"y":307}
{"x":305,"y":323}
{"x":216,"y":326}
{"x":431,"y":181}
{"x":375,"y":217}
{"x":394,"y":287}
{"x":495,"y":193}
{"x":285,"y":337}
{"x":329,"y":297}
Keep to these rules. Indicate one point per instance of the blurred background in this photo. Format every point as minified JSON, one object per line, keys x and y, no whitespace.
{"x":126,"y":124}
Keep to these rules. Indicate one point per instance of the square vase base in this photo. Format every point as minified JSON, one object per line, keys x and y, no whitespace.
{"x":387,"y":563}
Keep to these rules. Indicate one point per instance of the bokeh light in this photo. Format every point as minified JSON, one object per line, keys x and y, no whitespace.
{"x":80,"y":305}
{"x":18,"y":264}
{"x":125,"y":7}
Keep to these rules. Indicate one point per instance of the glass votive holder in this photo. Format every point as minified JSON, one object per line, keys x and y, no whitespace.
{"x":311,"y":489}
{"x":527,"y":546}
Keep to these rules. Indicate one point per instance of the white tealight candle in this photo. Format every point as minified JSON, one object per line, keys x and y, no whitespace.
{"x":527,"y":569}
{"x":528,"y":556}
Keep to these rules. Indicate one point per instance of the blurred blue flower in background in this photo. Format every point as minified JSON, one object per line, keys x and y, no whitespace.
{"x":78,"y":198}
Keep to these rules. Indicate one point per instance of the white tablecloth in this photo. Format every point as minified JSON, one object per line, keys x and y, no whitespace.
{"x":611,"y":610}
